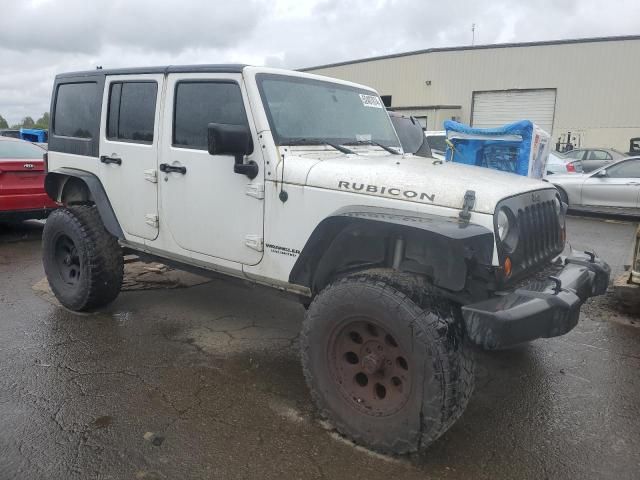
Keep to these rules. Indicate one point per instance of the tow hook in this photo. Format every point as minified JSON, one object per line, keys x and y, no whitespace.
{"x":557,"y":288}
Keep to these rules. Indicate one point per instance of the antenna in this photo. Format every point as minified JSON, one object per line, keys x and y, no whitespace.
{"x":473,"y":34}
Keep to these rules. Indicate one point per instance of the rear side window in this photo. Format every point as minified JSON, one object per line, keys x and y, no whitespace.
{"x":75,"y":109}
{"x":132,"y":111}
{"x":598,"y":155}
{"x":199,"y":103}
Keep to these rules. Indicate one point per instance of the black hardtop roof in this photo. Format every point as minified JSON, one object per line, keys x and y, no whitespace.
{"x":204,"y":68}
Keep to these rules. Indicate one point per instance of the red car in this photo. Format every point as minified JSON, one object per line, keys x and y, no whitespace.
{"x":22,"y":173}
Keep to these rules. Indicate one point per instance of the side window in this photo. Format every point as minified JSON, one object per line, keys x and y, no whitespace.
{"x":598,"y":155}
{"x":628,"y":169}
{"x":75,"y":109}
{"x":132,"y":111}
{"x":197,"y":104}
{"x":574,"y":154}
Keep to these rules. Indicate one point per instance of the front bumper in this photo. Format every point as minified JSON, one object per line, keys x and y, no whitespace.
{"x":540,"y":309}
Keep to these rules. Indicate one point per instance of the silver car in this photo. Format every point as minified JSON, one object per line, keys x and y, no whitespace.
{"x":593,"y":158}
{"x":614,"y":188}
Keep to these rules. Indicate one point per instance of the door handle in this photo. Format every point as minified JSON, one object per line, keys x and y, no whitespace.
{"x":633,"y":183}
{"x":107,"y":159}
{"x":166,"y":168}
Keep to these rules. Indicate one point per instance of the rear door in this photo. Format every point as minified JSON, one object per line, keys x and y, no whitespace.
{"x":595,"y":159}
{"x":129,"y":150}
{"x":619,"y":188}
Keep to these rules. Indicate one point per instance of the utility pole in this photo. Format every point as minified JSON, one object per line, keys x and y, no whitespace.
{"x":473,"y":34}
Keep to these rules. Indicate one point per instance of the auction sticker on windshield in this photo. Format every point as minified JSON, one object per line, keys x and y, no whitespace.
{"x":370,"y":101}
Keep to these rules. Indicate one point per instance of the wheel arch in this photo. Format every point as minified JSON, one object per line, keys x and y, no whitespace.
{"x":356,"y":238}
{"x":71,"y":186}
{"x":562,"y":191}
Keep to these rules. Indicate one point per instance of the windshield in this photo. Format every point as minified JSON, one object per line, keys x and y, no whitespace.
{"x":438,"y":142}
{"x":11,"y":149}
{"x":308,"y":109}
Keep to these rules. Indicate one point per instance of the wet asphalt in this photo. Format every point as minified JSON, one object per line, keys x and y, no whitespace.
{"x":205,"y":382}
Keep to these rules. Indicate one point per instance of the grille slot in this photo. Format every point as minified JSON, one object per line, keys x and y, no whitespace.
{"x":539,"y":233}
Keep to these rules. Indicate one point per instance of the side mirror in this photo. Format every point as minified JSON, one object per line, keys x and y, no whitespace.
{"x":601,"y":173}
{"x":225,"y":139}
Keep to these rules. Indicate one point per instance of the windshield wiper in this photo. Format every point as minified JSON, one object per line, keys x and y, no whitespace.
{"x":319,"y":141}
{"x":371,"y":142}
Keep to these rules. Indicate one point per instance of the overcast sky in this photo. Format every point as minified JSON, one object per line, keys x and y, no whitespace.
{"x":39,"y":38}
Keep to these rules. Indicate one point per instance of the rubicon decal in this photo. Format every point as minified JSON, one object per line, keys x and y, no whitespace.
{"x":395,"y":192}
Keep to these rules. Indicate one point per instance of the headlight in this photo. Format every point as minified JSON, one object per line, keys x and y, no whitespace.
{"x":507,"y":229}
{"x":503,"y":225}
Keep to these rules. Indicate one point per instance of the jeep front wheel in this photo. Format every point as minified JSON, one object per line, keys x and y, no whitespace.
{"x":387,"y":372}
{"x":83,"y":262}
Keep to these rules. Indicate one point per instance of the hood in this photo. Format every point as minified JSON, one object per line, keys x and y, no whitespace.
{"x":414,"y":179}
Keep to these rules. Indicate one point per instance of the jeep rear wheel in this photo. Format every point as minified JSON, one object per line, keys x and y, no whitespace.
{"x":83,"y":262}
{"x":387,"y":372}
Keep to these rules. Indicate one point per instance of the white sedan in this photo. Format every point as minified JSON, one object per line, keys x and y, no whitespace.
{"x":557,"y":163}
{"x":614,"y":188}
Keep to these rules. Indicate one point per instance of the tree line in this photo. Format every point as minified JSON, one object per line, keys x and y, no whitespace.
{"x":28,"y":122}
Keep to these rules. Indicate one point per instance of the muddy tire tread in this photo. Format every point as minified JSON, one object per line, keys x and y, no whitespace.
{"x":441,"y":319}
{"x":104,"y":257}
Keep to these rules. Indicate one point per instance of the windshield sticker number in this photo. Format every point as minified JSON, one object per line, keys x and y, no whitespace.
{"x":370,"y":101}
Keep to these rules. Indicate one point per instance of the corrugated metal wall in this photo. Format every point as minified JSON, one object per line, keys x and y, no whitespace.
{"x":596,"y":83}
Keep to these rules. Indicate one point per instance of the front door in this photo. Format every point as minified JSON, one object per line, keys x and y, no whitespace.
{"x":619,"y":187}
{"x":207,"y":208}
{"x":129,"y":137}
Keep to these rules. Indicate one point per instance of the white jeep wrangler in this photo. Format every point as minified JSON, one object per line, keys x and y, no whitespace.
{"x":299,"y":182}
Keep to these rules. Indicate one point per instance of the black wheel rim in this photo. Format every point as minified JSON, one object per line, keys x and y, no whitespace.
{"x":372,"y":370}
{"x":67,"y":260}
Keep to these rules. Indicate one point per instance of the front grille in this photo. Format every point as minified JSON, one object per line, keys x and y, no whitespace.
{"x":540,"y":237}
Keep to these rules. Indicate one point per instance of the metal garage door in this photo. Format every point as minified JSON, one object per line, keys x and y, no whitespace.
{"x":494,"y":109}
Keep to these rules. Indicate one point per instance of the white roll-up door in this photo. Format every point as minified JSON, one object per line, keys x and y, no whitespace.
{"x":494,"y":109}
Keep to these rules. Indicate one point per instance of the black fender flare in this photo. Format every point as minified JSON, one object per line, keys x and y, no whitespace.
{"x":453,"y":245}
{"x":54,"y":183}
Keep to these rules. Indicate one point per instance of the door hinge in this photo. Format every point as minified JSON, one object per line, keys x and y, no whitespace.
{"x":255,"y":242}
{"x":152,"y":220}
{"x":255,"y":190}
{"x":151,"y":175}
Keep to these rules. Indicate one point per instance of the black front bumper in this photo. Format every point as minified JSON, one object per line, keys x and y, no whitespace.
{"x":541,"y":309}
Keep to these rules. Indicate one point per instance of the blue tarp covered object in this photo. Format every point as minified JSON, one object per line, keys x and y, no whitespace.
{"x":34,"y":135}
{"x":509,"y":148}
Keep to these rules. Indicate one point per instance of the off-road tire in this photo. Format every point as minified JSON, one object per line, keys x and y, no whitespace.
{"x":99,"y":258}
{"x":429,"y":325}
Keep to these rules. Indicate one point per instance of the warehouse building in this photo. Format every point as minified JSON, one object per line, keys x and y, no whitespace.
{"x":583,"y":91}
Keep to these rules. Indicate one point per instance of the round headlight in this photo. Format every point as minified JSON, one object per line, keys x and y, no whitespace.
{"x":507,"y":229}
{"x":503,"y":225}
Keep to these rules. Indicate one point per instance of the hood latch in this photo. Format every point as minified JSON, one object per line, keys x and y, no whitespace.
{"x":467,"y":205}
